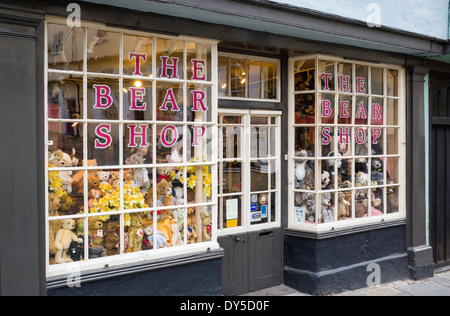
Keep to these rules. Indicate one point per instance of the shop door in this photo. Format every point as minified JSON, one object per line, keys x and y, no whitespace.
{"x":249,"y":200}
{"x":440,"y":168}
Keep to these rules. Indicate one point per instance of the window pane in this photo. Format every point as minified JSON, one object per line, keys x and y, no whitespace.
{"x":232,"y":142}
{"x":362,"y":77}
{"x":103,"y":144}
{"x":270,"y":80}
{"x":327,"y":108}
{"x":305,"y":208}
{"x":232,"y":177}
{"x":345,"y":75}
{"x":72,"y":252}
{"x":103,"y":51}
{"x":345,"y":109}
{"x":361,"y":203}
{"x":392,"y":112}
{"x":65,"y":96}
{"x":304,"y":173}
{"x":392,"y":83}
{"x":327,"y":141}
{"x":377,"y":117}
{"x":392,"y":200}
{"x":199,"y":184}
{"x":223,"y":77}
{"x":377,"y":81}
{"x":169,"y":58}
{"x":327,"y":211}
{"x":232,"y":211}
{"x":65,"y":195}
{"x":377,"y":171}
{"x":304,"y":72}
{"x":259,"y":208}
{"x":169,"y":140}
{"x":199,"y":103}
{"x":198,"y":59}
{"x":327,"y":73}
{"x":392,"y":141}
{"x":65,"y":144}
{"x":199,"y":143}
{"x":103,"y":99}
{"x":65,"y":47}
{"x":138,"y":144}
{"x":259,"y":142}
{"x":254,"y":79}
{"x":137,"y":55}
{"x":305,"y":109}
{"x":137,"y":100}
{"x":362,"y":111}
{"x":238,"y":77}
{"x":169,"y":102}
{"x":259,"y":177}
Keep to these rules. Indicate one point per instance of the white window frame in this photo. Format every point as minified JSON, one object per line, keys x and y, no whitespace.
{"x":154,"y":254}
{"x":255,"y":58}
{"x":245,"y":159}
{"x":358,"y":222}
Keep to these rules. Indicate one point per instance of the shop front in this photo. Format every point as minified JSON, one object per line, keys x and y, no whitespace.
{"x":187,"y":160}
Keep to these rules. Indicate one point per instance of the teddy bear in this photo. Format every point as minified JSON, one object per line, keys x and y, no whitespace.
{"x":53,"y":227}
{"x":141,"y":177}
{"x":114,"y":179}
{"x":59,"y":159}
{"x":361,"y":179}
{"x":54,"y":203}
{"x":343,"y":207}
{"x":96,"y":232}
{"x":95,"y":196}
{"x":327,"y":208}
{"x":135,"y":233}
{"x":176,"y":240}
{"x":191,"y":229}
{"x":178,"y":218}
{"x":104,"y":176}
{"x":161,"y":195}
{"x":164,"y":173}
{"x":207,"y":222}
{"x":112,"y":238}
{"x":63,"y":239}
{"x":325,"y":179}
{"x":93,"y":183}
{"x":128,"y":176}
{"x":75,"y":251}
{"x":161,"y":238}
{"x":307,"y":201}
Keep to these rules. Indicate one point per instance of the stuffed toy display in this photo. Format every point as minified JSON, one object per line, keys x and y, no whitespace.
{"x":63,"y":240}
{"x":136,"y":233}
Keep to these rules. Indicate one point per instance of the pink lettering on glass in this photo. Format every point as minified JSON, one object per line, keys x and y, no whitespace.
{"x":103,"y":132}
{"x":327,"y":77}
{"x":344,"y":133}
{"x":134,"y":134}
{"x":166,"y":66}
{"x":199,"y":132}
{"x":103,"y":99}
{"x":164,"y":136}
{"x":138,"y":94}
{"x":326,"y":138}
{"x":344,"y":83}
{"x":376,"y":112}
{"x":344,"y":113}
{"x":137,"y":66}
{"x":199,"y":98}
{"x":361,"y":85}
{"x":376,"y":135}
{"x":170,"y":98}
{"x":199,"y":72}
{"x":361,"y":113}
{"x":326,"y":108}
{"x":360,"y":136}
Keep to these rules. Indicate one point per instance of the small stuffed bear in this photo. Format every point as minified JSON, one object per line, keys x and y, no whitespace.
{"x":54,"y":203}
{"x":112,"y":238}
{"x":96,"y":232}
{"x":128,"y":176}
{"x":136,"y":233}
{"x":141,"y":177}
{"x":103,"y":176}
{"x":60,"y":159}
{"x":164,"y":173}
{"x":161,"y":191}
{"x":161,"y":238}
{"x":207,"y":222}
{"x":176,"y":240}
{"x":64,"y":238}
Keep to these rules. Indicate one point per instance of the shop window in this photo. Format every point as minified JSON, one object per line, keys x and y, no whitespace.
{"x":131,"y":123}
{"x":246,"y":77}
{"x":347,"y":155}
{"x":249,"y":171}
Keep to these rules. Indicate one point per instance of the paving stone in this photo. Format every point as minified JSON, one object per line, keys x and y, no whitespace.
{"x":427,"y":288}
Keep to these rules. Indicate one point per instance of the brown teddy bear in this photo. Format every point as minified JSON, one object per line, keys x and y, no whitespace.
{"x":63,"y":239}
{"x":136,"y":233}
{"x":112,"y":238}
{"x":161,"y":194}
{"x":53,"y":228}
{"x":54,"y":203}
{"x":207,"y":222}
{"x":96,"y":232}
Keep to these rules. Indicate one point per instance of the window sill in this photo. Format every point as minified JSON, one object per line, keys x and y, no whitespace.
{"x":127,"y":269}
{"x":349,"y":230}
